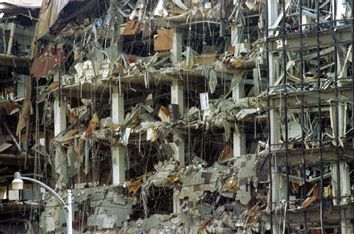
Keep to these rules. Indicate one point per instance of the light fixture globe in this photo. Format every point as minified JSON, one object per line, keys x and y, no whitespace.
{"x":17,"y":182}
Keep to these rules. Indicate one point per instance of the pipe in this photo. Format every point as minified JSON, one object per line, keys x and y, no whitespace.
{"x":69,"y":213}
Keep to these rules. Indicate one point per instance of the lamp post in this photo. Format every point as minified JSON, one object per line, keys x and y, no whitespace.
{"x":17,"y":183}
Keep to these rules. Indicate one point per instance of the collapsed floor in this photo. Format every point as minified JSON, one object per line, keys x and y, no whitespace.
{"x":185,"y":116}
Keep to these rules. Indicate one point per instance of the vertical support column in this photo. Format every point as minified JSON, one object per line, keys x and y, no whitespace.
{"x":345,"y":190}
{"x":177,"y":97}
{"x":341,"y":197}
{"x":306,"y":20}
{"x":11,"y":38}
{"x":236,"y":38}
{"x":177,"y":94}
{"x":235,"y":35}
{"x":59,"y":110}
{"x":239,"y":138}
{"x":238,"y":92}
{"x":278,"y":189}
{"x":118,"y":151}
{"x":342,"y":121}
{"x":344,"y":170}
{"x":346,"y":225}
{"x":176,"y":52}
{"x":256,"y":80}
{"x":59,"y":115}
{"x":239,"y":143}
{"x":338,"y":14}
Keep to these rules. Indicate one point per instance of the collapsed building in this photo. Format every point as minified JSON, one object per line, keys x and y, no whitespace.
{"x":179,"y":116}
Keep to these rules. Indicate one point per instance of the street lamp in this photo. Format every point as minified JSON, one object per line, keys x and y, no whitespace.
{"x":17,"y":184}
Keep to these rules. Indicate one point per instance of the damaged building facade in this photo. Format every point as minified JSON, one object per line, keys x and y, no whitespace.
{"x":178,"y":116}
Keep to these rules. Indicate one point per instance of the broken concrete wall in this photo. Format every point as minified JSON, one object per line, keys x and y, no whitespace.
{"x":209,"y":110}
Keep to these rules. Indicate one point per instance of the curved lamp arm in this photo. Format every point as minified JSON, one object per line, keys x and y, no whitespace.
{"x":46,"y":187}
{"x":67,"y":206}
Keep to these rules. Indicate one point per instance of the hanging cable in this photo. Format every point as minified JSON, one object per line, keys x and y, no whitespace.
{"x":303,"y":194}
{"x":285,"y":81}
{"x":319,"y":110}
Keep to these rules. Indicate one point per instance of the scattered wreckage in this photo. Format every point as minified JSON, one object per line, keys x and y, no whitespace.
{"x":192,"y":116}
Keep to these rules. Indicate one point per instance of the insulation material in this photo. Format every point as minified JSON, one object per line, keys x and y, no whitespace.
{"x":163,"y":41}
{"x":131,"y":28}
{"x":164,"y":114}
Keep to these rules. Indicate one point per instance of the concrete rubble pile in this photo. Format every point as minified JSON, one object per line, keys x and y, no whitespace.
{"x":181,"y":116}
{"x":221,"y":194}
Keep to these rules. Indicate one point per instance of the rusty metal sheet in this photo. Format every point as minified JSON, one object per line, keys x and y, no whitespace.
{"x":46,"y":62}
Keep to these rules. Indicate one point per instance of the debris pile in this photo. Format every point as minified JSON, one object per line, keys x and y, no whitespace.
{"x":184,"y":116}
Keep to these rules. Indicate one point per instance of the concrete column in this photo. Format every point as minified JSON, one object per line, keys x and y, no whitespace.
{"x":177,"y":97}
{"x":238,"y":92}
{"x":59,"y":110}
{"x":177,"y":93}
{"x":342,"y":196}
{"x":345,"y":190}
{"x":176,"y":52}
{"x":11,"y":38}
{"x":344,"y":171}
{"x":118,"y":151}
{"x":341,"y":189}
{"x":256,"y":81}
{"x":342,"y":120}
{"x":346,"y":226}
{"x":59,"y":115}
{"x":272,"y":10}
{"x":340,"y":114}
{"x":239,"y":143}
{"x":340,"y":10}
{"x":338,"y":14}
{"x":239,"y":138}
{"x":279,"y":186}
{"x":236,"y":37}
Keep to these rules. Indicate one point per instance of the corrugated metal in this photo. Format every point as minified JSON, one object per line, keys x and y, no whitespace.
{"x":46,"y":62}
